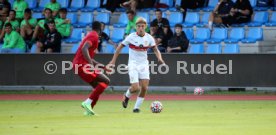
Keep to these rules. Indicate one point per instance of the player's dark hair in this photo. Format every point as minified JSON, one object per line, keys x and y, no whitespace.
{"x":130,"y":12}
{"x":13,"y":11}
{"x":178,"y":25}
{"x":96,"y":26}
{"x":158,"y":10}
{"x":28,"y":10}
{"x":49,"y":10}
{"x":8,"y":25}
{"x":63,"y":10}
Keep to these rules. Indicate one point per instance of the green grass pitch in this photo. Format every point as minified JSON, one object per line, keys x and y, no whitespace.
{"x":177,"y":118}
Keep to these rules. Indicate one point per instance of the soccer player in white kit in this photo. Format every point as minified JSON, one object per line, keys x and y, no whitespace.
{"x":138,"y":64}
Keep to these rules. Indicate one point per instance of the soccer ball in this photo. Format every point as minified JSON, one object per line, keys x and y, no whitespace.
{"x":198,"y":91}
{"x":156,"y":107}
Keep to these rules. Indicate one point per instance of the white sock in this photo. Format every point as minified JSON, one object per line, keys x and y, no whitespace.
{"x":139,"y":102}
{"x":210,"y":24}
{"x":128,"y":94}
{"x":88,"y":101}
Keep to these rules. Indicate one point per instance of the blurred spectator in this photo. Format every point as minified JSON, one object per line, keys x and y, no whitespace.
{"x":13,"y":42}
{"x":137,"y":4}
{"x":63,"y":24}
{"x":42,"y":27}
{"x":240,"y":13}
{"x":5,"y":8}
{"x":113,"y":4}
{"x":54,"y":6}
{"x":19,"y":6}
{"x":51,"y":42}
{"x":179,"y":41}
{"x":12,"y":20}
{"x":27,"y":26}
{"x":167,"y":35}
{"x":131,"y":4}
{"x":158,"y":36}
{"x":131,"y":26}
{"x":160,"y":21}
{"x":190,"y":4}
{"x":222,"y":11}
{"x":104,"y":37}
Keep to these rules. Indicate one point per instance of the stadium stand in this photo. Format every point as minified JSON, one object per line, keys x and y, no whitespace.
{"x":213,"y":49}
{"x":196,"y":49}
{"x":258,"y":34}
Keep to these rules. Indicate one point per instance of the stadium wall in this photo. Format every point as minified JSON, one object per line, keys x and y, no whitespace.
{"x":221,"y":70}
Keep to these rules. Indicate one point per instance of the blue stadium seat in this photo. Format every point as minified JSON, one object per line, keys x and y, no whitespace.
{"x":117,"y":35}
{"x":211,"y":5}
{"x":63,"y":3}
{"x":175,"y":18}
{"x":204,"y":20}
{"x":91,"y":5}
{"x":272,"y":21}
{"x":74,"y":48}
{"x":41,"y":5}
{"x":213,"y":49}
{"x":125,"y":50}
{"x":103,"y":17}
{"x":73,"y":17}
{"x":11,"y":2}
{"x":164,"y":15}
{"x":253,"y":3}
{"x":76,"y":5}
{"x":231,"y":48}
{"x":259,"y":19}
{"x":196,"y":49}
{"x":32,"y":3}
{"x":218,"y":35}
{"x":191,"y":19}
{"x":167,"y":2}
{"x":189,"y":33}
{"x":145,"y":15}
{"x":202,"y":34}
{"x":33,"y":49}
{"x":75,"y":36}
{"x":236,"y":34}
{"x":254,"y":35}
{"x":106,"y":30}
{"x":37,"y":15}
{"x":84,"y":20}
{"x":122,"y":22}
{"x":178,"y":2}
{"x":108,"y":48}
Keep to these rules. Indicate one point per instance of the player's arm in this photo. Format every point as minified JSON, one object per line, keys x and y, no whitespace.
{"x":116,"y":54}
{"x":158,"y":54}
{"x":86,"y":55}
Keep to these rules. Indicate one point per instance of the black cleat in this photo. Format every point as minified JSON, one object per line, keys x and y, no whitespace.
{"x":136,"y":110}
{"x":125,"y":101}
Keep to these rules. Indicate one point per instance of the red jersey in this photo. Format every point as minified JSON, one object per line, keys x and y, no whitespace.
{"x":92,"y":38}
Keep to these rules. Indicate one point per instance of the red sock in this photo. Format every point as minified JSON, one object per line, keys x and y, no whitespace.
{"x":97,"y":92}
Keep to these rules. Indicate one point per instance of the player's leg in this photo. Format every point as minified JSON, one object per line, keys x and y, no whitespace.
{"x":134,"y":81}
{"x":102,"y":83}
{"x":144,"y":83}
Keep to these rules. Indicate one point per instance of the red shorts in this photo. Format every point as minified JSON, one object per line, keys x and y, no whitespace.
{"x":87,"y":75}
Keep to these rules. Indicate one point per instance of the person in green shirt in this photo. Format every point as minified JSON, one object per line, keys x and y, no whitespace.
{"x":19,"y":6}
{"x":63,"y":25}
{"x":40,"y":29}
{"x":131,"y":26}
{"x":54,"y":6}
{"x":13,"y":42}
{"x":27,"y":25}
{"x":12,"y":20}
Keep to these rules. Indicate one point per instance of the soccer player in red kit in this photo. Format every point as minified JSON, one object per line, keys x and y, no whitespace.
{"x":86,"y":67}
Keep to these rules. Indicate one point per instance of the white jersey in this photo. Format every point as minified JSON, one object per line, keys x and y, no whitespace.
{"x":138,"y":47}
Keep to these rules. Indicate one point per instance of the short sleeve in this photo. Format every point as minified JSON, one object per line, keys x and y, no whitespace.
{"x":126,"y":42}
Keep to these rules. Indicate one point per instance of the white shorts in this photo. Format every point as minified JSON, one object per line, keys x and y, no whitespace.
{"x":137,"y":72}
